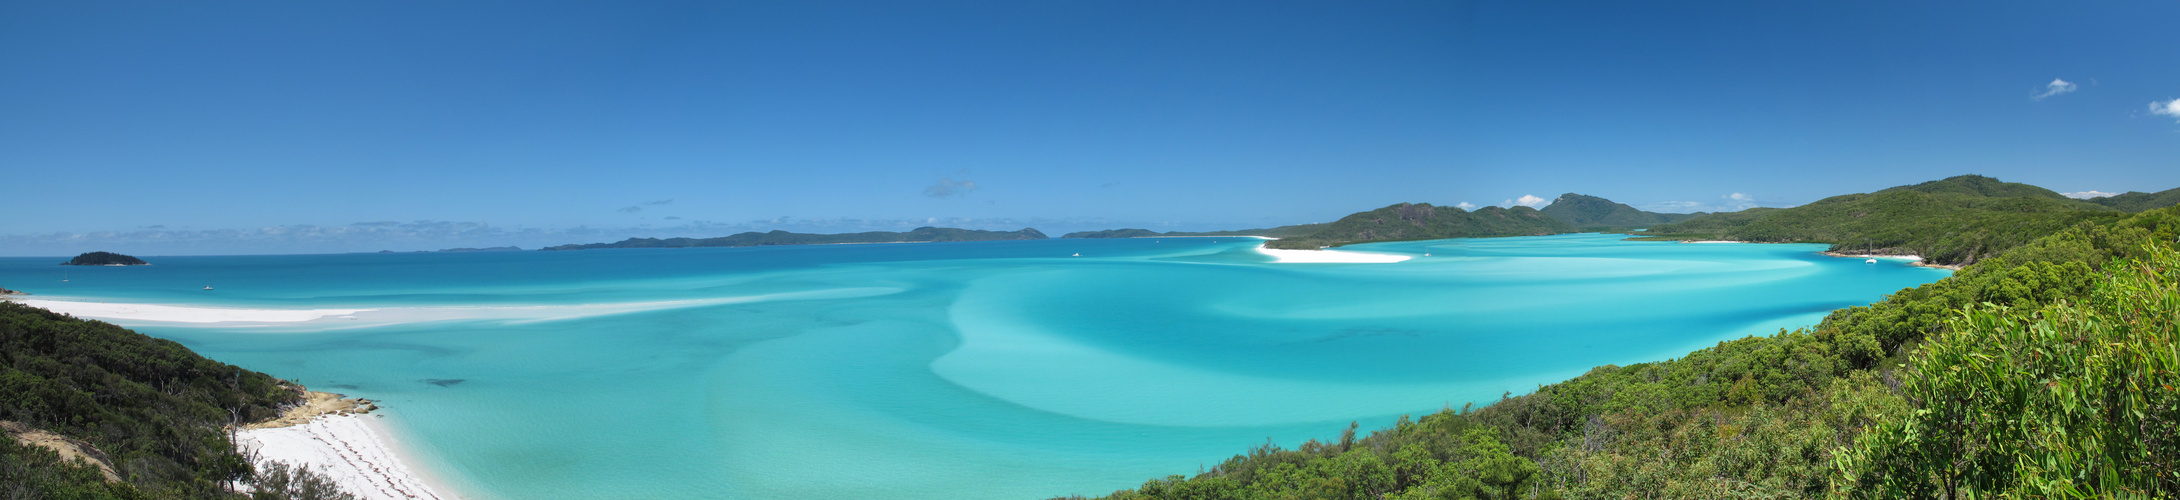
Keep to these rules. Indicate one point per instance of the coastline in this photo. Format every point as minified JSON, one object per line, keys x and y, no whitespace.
{"x":1913,"y":260}
{"x":339,"y":438}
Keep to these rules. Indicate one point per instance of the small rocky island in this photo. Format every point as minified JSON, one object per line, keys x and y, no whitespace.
{"x":4,"y":291}
{"x":104,"y":259}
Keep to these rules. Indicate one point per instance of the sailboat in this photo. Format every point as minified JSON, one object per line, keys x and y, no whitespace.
{"x":1871,"y":261}
{"x":1078,"y":254}
{"x":208,"y":287}
{"x":64,"y":276}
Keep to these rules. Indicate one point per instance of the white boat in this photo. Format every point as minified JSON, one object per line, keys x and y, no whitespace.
{"x":1078,"y":255}
{"x":1871,"y":261}
{"x":208,"y":287}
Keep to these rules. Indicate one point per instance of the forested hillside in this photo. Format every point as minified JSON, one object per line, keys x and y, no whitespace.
{"x":1958,"y":220}
{"x":1421,"y":221}
{"x":152,"y":408}
{"x":1590,"y":212}
{"x":2137,"y":201}
{"x":2044,"y":371}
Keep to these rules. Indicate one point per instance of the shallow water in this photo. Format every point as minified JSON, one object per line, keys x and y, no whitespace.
{"x":950,"y":370}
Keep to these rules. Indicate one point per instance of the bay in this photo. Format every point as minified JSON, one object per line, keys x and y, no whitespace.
{"x":949,"y":370}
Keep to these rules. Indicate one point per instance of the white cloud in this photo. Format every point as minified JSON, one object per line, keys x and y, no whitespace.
{"x":1527,"y":200}
{"x":2167,"y":107}
{"x":2056,"y":87}
{"x":1740,"y":197}
{"x":2087,"y":194}
{"x":1467,"y":206}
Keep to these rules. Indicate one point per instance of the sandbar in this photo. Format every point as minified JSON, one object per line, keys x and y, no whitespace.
{"x":1328,"y":256}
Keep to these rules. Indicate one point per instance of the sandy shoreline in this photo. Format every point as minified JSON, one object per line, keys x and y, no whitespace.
{"x":1913,"y":260}
{"x":337,"y":438}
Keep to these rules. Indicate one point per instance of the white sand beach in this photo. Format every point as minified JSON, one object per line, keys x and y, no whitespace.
{"x":353,"y":449}
{"x":180,"y":314}
{"x":1329,"y":256}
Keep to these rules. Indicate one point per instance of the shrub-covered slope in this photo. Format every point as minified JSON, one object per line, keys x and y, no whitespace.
{"x":153,"y":407}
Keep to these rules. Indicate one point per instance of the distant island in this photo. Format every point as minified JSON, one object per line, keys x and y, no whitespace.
{"x":486,"y":249}
{"x":4,"y":291}
{"x":752,"y":239}
{"x":1270,"y":232}
{"x":1421,"y":221}
{"x":104,"y":259}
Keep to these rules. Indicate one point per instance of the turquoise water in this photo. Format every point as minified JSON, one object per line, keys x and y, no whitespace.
{"x":951,"y":370}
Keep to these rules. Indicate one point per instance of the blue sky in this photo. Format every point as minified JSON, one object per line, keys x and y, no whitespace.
{"x":254,"y":127}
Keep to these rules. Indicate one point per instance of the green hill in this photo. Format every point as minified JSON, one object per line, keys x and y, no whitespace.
{"x":152,"y":408}
{"x":1421,"y":221}
{"x":2046,"y":371}
{"x":1953,"y":221}
{"x":751,"y":239}
{"x":2137,"y":201}
{"x":1584,"y":211}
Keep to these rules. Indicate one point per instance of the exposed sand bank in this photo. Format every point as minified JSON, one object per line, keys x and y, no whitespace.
{"x":335,"y":437}
{"x":127,"y":314}
{"x":1328,"y":256}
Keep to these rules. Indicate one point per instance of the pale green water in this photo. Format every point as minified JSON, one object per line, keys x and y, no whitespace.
{"x":969,"y":370}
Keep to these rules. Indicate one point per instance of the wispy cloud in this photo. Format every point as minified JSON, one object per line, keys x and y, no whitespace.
{"x":639,"y":206}
{"x":947,"y":187}
{"x":2167,"y":107}
{"x":1466,"y":206}
{"x":2056,"y":87}
{"x":1527,"y":200}
{"x":2088,"y":194}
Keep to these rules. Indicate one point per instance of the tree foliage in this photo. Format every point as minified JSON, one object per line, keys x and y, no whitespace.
{"x":2070,"y":399}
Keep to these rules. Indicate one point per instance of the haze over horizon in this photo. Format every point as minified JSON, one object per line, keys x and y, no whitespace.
{"x":225,"y":128}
